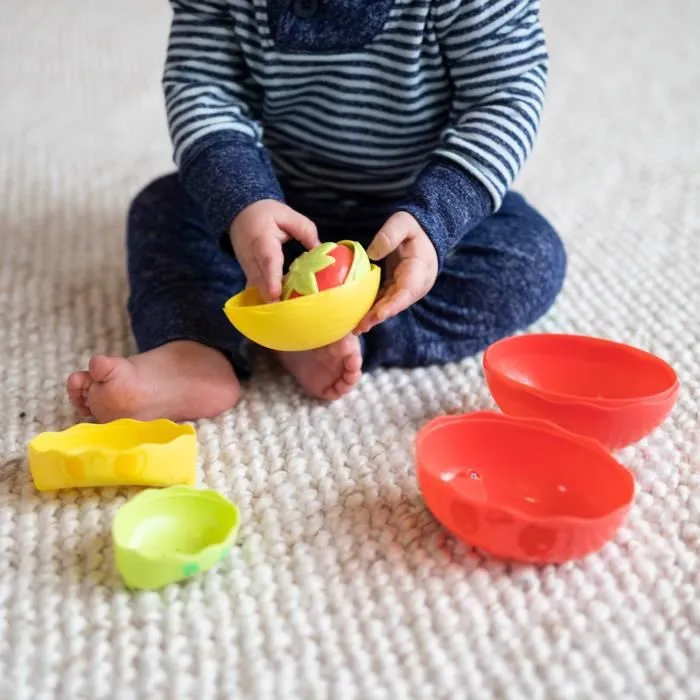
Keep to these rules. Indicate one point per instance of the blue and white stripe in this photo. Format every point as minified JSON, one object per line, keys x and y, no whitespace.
{"x":457,"y":80}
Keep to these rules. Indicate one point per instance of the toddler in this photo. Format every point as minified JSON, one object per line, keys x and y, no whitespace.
{"x":397,"y":123}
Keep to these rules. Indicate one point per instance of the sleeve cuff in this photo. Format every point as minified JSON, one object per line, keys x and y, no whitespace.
{"x":225,"y":173}
{"x":448,"y":203}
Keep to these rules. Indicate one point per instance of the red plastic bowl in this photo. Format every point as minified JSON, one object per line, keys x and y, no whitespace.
{"x":521,"y":489}
{"x":608,"y":391}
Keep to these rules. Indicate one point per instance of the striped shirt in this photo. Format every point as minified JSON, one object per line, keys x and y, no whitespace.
{"x":427,"y":102}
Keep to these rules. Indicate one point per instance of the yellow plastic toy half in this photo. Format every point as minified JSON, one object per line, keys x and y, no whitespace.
{"x":307,"y":322}
{"x":122,"y":453}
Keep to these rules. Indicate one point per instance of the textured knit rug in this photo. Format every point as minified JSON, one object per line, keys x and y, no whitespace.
{"x":343,"y":583}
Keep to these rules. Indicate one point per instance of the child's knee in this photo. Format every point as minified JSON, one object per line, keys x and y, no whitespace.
{"x":152,"y":203}
{"x":543,"y":273}
{"x":524,"y":263}
{"x":502,"y":280}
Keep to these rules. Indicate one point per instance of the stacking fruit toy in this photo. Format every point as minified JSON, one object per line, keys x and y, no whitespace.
{"x":326,"y":293}
{"x":538,"y":483}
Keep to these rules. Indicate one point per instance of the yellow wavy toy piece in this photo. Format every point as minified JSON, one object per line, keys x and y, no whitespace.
{"x":125,"y":452}
{"x":306,"y":322}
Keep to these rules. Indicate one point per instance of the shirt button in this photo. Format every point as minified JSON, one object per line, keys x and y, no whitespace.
{"x":305,"y":9}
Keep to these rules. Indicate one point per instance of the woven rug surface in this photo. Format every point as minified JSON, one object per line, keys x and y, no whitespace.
{"x":342,"y":583}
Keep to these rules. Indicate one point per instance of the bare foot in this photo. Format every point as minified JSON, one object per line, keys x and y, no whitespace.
{"x":327,"y":373}
{"x":181,"y":381}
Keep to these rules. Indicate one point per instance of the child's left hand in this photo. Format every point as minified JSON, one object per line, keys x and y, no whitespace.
{"x":411,"y":266}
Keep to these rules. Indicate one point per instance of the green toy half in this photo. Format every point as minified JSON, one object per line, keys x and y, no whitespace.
{"x":162,"y":536}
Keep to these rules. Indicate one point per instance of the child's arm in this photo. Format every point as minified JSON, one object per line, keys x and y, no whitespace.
{"x":210,"y":107}
{"x":498,"y":62}
{"x":211,"y":103}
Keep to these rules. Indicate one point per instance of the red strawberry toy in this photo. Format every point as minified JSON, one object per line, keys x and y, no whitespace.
{"x":327,"y":266}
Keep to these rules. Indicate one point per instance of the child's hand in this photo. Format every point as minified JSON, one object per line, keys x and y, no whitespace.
{"x":257,"y":235}
{"x":412,"y":267}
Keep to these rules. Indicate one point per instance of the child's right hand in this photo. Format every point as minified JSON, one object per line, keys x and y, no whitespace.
{"x":257,"y":235}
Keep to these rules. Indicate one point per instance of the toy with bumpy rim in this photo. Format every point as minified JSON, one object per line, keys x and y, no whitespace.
{"x":167,"y":535}
{"x":521,"y":489}
{"x":125,"y":452}
{"x":310,"y":321}
{"x":538,"y":483}
{"x":614,"y":393}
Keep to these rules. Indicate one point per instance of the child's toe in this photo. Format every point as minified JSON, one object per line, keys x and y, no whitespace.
{"x":336,"y":391}
{"x":101,"y":367}
{"x":353,"y":364}
{"x":77,"y":387}
{"x":344,"y":385}
{"x":76,"y":382}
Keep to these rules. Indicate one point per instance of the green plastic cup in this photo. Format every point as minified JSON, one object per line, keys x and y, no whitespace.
{"x":162,"y":536}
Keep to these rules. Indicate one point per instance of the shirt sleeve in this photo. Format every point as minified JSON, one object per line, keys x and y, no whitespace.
{"x":210,"y":103}
{"x":498,"y":64}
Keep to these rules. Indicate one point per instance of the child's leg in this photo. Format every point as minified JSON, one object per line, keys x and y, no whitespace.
{"x":502,"y":277}
{"x":180,"y":279}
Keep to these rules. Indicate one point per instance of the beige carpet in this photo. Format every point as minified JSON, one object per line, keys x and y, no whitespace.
{"x":339,"y":586}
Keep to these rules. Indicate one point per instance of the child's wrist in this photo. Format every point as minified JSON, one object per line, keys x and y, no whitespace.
{"x":447,"y":202}
{"x":227,"y":174}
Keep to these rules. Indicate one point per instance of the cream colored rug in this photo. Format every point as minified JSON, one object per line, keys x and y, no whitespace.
{"x":339,"y":585}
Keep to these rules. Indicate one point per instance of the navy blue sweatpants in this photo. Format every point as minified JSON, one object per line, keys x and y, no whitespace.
{"x":500,"y":278}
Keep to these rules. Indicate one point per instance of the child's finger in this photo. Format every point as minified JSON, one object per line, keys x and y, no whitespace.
{"x":263,"y":266}
{"x":270,"y":262}
{"x":388,"y":239}
{"x":409,"y":286}
{"x":368,"y":321}
{"x":299,"y":227}
{"x":380,"y":312}
{"x":395,"y":303}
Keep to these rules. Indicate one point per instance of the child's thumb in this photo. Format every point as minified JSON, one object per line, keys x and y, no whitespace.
{"x":388,"y":239}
